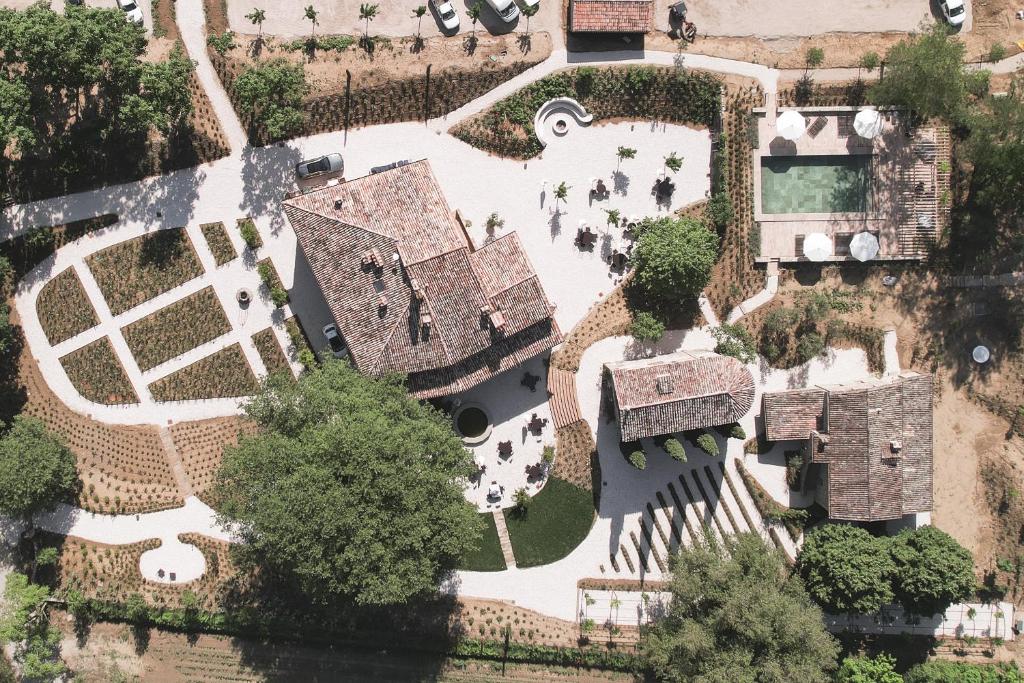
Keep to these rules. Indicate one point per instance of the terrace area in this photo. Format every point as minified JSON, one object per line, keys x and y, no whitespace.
{"x":831,"y":180}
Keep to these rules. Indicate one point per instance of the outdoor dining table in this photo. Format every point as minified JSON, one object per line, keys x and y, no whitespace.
{"x":494,"y":491}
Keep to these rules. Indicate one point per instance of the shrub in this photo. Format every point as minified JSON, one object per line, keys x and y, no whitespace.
{"x":221,"y":43}
{"x":646,"y":328}
{"x":250,"y":235}
{"x":707,"y":443}
{"x":811,"y":345}
{"x":997,"y":52}
{"x":735,"y":341}
{"x":548,"y":455}
{"x":881,"y":669}
{"x":937,"y":671}
{"x":737,"y":432}
{"x":675,"y":449}
{"x":638,"y":460}
{"x":522,"y":501}
{"x":719,"y":210}
{"x":279,"y":296}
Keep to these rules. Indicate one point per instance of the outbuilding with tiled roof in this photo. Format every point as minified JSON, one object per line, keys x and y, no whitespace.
{"x":679,"y":392}
{"x":874,"y":439}
{"x":407,"y":290}
{"x":610,"y":16}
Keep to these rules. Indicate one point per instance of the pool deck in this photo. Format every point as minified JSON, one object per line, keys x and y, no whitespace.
{"x":896,"y":196}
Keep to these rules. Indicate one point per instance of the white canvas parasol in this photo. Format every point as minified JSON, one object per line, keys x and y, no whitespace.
{"x":864,"y":246}
{"x":817,"y":246}
{"x":791,"y":124}
{"x":868,"y":123}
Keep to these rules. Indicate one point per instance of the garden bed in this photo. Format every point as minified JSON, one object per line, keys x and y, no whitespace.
{"x":175,"y":329}
{"x":123,"y":468}
{"x":217,"y":240}
{"x":28,"y":250}
{"x":247,"y":229}
{"x":63,"y":308}
{"x":136,"y":270}
{"x":97,"y":374}
{"x":270,"y":351}
{"x":275,"y":290}
{"x":636,"y":92}
{"x":200,"y":445}
{"x":224,"y":374}
{"x":558,"y":519}
{"x":303,"y":347}
{"x":488,"y":557}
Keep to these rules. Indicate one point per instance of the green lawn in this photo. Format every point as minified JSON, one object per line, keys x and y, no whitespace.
{"x":557,"y":521}
{"x":489,"y":557}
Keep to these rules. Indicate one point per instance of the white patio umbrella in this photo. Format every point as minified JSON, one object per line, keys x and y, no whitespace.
{"x":864,"y":246}
{"x":868,"y":123}
{"x":981,"y":354}
{"x":791,"y":124}
{"x":817,"y":246}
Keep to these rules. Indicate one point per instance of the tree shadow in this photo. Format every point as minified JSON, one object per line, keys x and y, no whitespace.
{"x":266,"y":173}
{"x":620,"y":183}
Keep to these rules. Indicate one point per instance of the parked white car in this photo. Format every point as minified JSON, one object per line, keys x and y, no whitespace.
{"x":338,"y":348}
{"x":446,"y":14}
{"x":506,"y":9}
{"x":954,"y":10}
{"x":131,"y":11}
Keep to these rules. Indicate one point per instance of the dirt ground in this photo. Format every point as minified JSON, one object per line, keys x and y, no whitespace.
{"x":325,"y":73}
{"x":118,"y":652}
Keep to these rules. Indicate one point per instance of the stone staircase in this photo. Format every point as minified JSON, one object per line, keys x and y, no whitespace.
{"x":708,"y":500}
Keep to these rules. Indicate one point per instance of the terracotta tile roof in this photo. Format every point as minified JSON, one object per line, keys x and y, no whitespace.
{"x":792,"y":414}
{"x":679,"y":392}
{"x":427,"y":314}
{"x":611,"y":16}
{"x":876,"y":444}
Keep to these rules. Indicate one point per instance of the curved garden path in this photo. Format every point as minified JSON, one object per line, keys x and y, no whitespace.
{"x":250,"y":181}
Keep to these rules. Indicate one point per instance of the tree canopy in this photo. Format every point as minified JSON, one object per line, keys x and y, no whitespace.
{"x":673,"y":257}
{"x":351,"y":488}
{"x":23,"y":621}
{"x":880,"y":669}
{"x":996,"y":148}
{"x":846,"y":569}
{"x":926,"y":74}
{"x":932,"y":570}
{"x":737,"y":614}
{"x":271,"y":93}
{"x":37,"y":470}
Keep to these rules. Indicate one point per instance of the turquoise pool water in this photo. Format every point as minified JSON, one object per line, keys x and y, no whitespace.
{"x":815,"y":184}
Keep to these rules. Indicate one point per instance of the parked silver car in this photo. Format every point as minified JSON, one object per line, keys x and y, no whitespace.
{"x":334,"y":341}
{"x":330,"y":163}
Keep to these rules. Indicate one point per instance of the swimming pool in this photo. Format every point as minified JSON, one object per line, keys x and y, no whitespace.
{"x":815,"y":184}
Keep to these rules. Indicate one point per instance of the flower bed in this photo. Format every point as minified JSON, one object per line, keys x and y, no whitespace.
{"x":270,"y":351}
{"x":28,"y":250}
{"x":272,"y":282}
{"x":664,"y":93}
{"x":177,"y":328}
{"x":225,"y":374}
{"x":139,"y":269}
{"x":200,"y":445}
{"x":63,"y":308}
{"x":220,"y":244}
{"x":97,"y":374}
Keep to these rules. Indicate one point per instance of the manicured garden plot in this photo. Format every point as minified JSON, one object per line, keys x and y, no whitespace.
{"x":488,"y":557}
{"x":558,"y":519}
{"x":663,"y":93}
{"x":123,"y":468}
{"x":177,"y":328}
{"x":224,"y":374}
{"x":247,"y":228}
{"x":97,"y":374}
{"x":272,"y":281}
{"x":63,"y":308}
{"x":139,"y":269}
{"x":270,"y":351}
{"x":217,"y":239}
{"x":28,"y":250}
{"x":200,"y":445}
{"x":303,"y":347}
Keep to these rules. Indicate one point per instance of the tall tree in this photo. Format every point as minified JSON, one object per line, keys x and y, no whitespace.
{"x":351,"y":488}
{"x":37,"y":470}
{"x":673,"y":258}
{"x":311,"y":14}
{"x":367,"y":12}
{"x":271,"y":93}
{"x":926,"y":74}
{"x":846,"y":569}
{"x":417,"y":14}
{"x":528,"y":11}
{"x":165,"y":86}
{"x":737,"y":614}
{"x":996,"y":148}
{"x":932,"y":570}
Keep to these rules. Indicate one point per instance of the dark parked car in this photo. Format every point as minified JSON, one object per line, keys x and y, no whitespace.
{"x":331,"y":163}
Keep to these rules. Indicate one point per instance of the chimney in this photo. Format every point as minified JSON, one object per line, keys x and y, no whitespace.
{"x":497,"y":321}
{"x":425,"y":320}
{"x":382,"y":302}
{"x":338,"y":203}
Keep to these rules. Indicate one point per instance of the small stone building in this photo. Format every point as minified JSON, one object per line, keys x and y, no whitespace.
{"x":873,"y":439}
{"x":679,"y":392}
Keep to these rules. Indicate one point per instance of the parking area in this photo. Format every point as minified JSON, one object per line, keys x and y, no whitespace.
{"x":394,"y":18}
{"x":58,"y":6}
{"x":799,"y":18}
